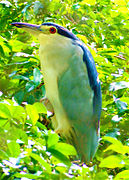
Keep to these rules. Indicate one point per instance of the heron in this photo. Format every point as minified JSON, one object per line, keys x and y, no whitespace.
{"x":72,"y":86}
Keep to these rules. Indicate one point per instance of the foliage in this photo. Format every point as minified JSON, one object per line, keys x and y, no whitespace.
{"x":27,"y":148}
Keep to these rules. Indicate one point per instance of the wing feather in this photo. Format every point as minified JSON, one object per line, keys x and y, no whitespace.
{"x":80,"y":96}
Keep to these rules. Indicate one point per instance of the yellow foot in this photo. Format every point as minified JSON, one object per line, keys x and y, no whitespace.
{"x":63,"y":132}
{"x":48,"y":104}
{"x":58,"y":131}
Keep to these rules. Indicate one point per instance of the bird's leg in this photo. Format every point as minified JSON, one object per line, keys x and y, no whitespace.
{"x":50,"y":108}
{"x":48,"y":105}
{"x":58,"y":131}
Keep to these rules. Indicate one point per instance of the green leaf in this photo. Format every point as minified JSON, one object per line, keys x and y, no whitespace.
{"x":18,"y":45}
{"x":112,"y":162}
{"x":101,"y":176}
{"x":59,"y":156}
{"x":3,"y":155}
{"x":52,"y":140}
{"x":37,"y":76}
{"x":18,"y":112}
{"x":2,"y":51}
{"x":4,"y":111}
{"x":30,"y":86}
{"x":116,"y":146}
{"x":4,"y":123}
{"x":30,"y":99}
{"x":27,"y":176}
{"x":19,"y":96}
{"x":122,"y":106}
{"x":64,"y":148}
{"x":40,"y":125}
{"x":21,"y":77}
{"x":41,"y":161}
{"x":110,"y":139}
{"x":37,"y":6}
{"x":14,"y":149}
{"x":40,"y":107}
{"x":122,"y":175}
{"x":33,"y":113}
{"x":43,"y":90}
{"x":126,"y":148}
{"x":15,"y":134}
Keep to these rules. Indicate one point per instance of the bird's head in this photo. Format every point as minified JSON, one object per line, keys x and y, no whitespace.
{"x":46,"y":31}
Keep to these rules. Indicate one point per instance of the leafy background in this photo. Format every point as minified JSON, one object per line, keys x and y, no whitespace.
{"x":29,"y":148}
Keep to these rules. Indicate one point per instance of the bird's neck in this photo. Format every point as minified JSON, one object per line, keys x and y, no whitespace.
{"x":55,"y":50}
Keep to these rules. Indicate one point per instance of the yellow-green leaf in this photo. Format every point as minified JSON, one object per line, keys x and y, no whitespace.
{"x":40,"y":107}
{"x":112,"y":162}
{"x":14,"y":149}
{"x":41,"y":161}
{"x":52,"y":139}
{"x":66,"y":149}
{"x":122,"y":175}
{"x":4,"y":111}
{"x":91,"y":2}
{"x":33,"y":113}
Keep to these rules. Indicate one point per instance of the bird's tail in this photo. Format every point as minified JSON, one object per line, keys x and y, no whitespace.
{"x":85,"y":140}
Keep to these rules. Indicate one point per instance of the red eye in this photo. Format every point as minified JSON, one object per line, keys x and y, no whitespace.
{"x":52,"y":30}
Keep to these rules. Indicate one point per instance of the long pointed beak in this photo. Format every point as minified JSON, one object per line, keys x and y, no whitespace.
{"x":31,"y":28}
{"x":26,"y":25}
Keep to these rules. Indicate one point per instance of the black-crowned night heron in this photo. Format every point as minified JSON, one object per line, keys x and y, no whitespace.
{"x":72,"y":85}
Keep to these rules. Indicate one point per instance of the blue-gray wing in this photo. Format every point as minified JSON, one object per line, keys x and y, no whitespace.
{"x":80,"y":96}
{"x":94,"y":82}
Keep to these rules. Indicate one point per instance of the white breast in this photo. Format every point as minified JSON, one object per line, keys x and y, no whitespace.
{"x":54,"y":57}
